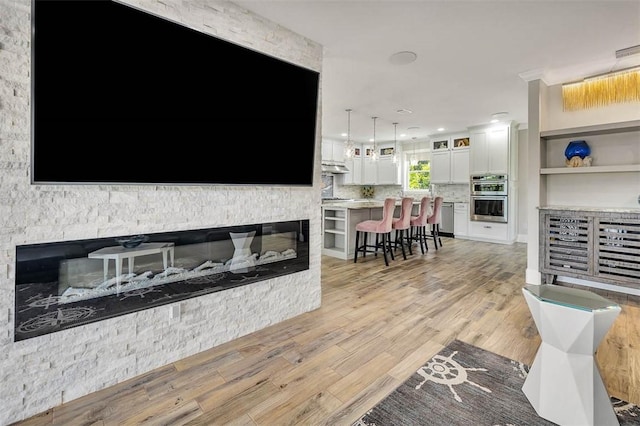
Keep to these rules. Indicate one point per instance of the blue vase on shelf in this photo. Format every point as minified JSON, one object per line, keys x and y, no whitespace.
{"x":577,"y":149}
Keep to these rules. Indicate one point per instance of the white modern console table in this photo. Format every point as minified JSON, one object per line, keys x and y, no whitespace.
{"x":564,"y":384}
{"x":118,"y":253}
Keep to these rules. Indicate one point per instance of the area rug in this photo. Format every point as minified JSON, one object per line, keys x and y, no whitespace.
{"x":466,"y":385}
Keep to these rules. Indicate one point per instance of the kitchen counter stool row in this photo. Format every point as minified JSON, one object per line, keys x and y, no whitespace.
{"x":407,"y":228}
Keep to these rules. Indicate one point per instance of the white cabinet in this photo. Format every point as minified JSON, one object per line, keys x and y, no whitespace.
{"x":460,"y":166}
{"x":388,"y":172}
{"x":382,"y":171}
{"x":489,"y":231}
{"x":441,"y":166}
{"x":490,"y":150}
{"x":332,"y":151}
{"x":450,"y":159}
{"x":460,"y":219}
{"x":354,"y":164}
{"x":369,"y":166}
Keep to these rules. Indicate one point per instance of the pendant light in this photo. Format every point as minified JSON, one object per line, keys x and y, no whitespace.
{"x":374,"y":153}
{"x":395,"y":143}
{"x":414,"y":158}
{"x":349,"y":149}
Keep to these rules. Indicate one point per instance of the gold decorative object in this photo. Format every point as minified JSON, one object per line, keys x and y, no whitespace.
{"x":612,"y":88}
{"x":367,"y":191}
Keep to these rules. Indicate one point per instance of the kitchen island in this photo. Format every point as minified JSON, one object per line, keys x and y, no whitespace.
{"x":339,"y":220}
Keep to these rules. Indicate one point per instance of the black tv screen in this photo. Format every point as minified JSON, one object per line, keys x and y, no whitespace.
{"x":121,"y":96}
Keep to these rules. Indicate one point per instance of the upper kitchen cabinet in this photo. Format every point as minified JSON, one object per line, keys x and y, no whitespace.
{"x":332,"y":151}
{"x":450,"y":158}
{"x":388,"y":171}
{"x":369,"y":166}
{"x":491,"y":149}
{"x":382,"y":171}
{"x":354,"y":164}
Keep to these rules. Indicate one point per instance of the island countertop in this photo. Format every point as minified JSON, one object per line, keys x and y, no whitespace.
{"x":362,"y":203}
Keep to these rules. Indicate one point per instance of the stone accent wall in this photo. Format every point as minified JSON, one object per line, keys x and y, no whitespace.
{"x":46,"y":371}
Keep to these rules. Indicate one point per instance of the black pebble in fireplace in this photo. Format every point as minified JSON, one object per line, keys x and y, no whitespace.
{"x":70,"y":283}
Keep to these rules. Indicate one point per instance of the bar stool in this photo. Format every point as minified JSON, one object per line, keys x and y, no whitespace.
{"x":402,"y":225}
{"x":418,"y":230}
{"x":379,"y":228}
{"x":435,"y":220}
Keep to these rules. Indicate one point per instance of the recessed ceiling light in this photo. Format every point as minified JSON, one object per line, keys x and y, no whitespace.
{"x":343,"y":134}
{"x":403,"y":58}
{"x":402,"y":135}
{"x":441,"y":129}
{"x":498,"y":116}
{"x":404,"y":111}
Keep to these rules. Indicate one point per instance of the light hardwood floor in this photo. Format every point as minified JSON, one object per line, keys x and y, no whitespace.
{"x":376,"y":326}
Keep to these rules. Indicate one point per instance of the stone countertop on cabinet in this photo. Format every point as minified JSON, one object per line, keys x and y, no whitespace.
{"x":593,"y":209}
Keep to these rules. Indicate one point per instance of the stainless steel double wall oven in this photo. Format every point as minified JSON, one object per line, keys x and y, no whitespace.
{"x":489,"y":195}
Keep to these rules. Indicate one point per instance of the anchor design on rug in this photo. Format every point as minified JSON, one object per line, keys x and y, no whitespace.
{"x":446,"y":371}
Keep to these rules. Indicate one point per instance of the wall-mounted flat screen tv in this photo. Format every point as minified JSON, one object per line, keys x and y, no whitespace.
{"x":122,"y":96}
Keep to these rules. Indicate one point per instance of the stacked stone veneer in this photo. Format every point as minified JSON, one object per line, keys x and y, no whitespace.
{"x":46,"y":371}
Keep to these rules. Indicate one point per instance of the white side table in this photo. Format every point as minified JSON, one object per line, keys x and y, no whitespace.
{"x":117,"y":253}
{"x":564,"y":384}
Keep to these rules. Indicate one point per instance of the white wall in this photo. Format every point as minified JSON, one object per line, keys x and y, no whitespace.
{"x":523,"y":187}
{"x":45,"y":371}
{"x":556,"y":118}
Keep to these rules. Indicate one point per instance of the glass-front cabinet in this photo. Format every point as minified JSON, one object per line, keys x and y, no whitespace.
{"x":450,"y":158}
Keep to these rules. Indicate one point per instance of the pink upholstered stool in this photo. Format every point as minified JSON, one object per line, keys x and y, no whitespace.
{"x":419,"y":223}
{"x":380,"y":228}
{"x":435,"y":220}
{"x":402,"y":226}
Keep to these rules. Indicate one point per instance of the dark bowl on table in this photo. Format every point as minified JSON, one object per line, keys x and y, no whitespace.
{"x":131,"y":242}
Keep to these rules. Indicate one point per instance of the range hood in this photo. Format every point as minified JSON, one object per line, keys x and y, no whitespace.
{"x":334,"y":168}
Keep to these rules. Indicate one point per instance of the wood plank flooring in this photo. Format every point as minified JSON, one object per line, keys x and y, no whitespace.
{"x":376,"y":326}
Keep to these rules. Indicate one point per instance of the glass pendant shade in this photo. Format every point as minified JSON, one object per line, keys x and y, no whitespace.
{"x":395,"y":143}
{"x":414,"y":158}
{"x":349,"y":149}
{"x":374,"y":151}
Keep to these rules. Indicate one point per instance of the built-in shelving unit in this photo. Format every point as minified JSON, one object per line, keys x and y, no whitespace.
{"x":614,"y":170}
{"x":597,"y":239}
{"x":334,"y":231}
{"x":607,"y":142}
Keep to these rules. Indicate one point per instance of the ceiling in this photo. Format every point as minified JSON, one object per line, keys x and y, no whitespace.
{"x":473,"y":57}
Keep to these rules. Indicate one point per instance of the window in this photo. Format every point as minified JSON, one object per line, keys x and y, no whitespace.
{"x":417,"y":166}
{"x":419,"y":175}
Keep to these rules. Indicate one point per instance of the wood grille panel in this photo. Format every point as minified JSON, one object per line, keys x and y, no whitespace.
{"x":568,"y":243}
{"x":601,"y":246}
{"x":619,"y":249}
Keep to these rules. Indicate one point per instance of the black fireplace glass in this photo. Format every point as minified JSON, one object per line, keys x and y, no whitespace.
{"x":60,"y":285}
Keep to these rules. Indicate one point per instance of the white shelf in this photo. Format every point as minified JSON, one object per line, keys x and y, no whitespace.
{"x":615,"y":173}
{"x":591,"y":169}
{"x":334,"y":218}
{"x":334,"y":231}
{"x":598,"y":129}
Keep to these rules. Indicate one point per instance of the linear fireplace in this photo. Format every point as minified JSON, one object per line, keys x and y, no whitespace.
{"x":65,"y":284}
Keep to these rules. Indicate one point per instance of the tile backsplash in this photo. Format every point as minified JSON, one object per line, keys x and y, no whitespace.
{"x":327,"y":186}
